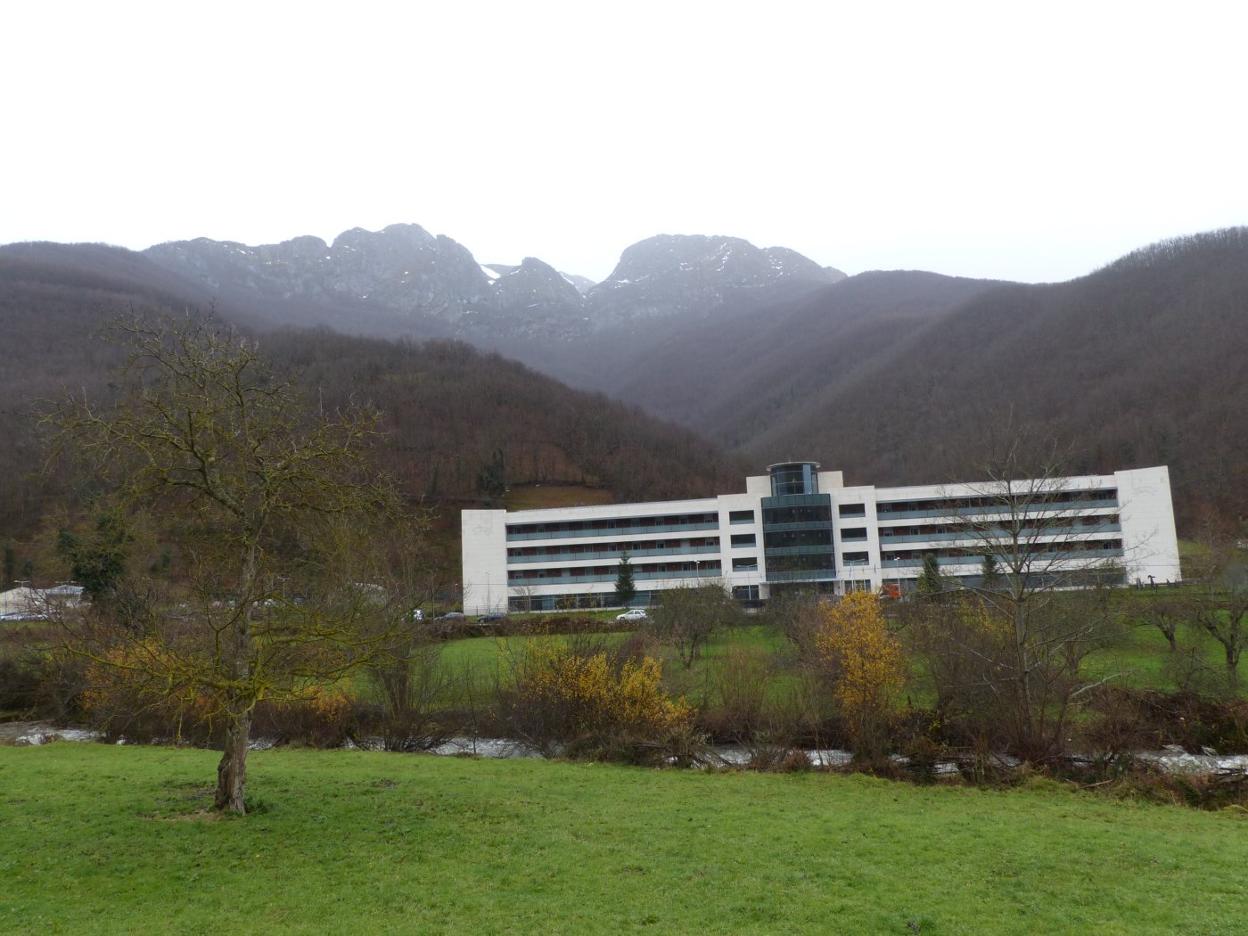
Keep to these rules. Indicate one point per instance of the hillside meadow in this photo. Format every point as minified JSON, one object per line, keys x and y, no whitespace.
{"x":108,"y":839}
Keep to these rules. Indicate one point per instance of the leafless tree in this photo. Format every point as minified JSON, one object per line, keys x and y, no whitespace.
{"x":1017,"y":644}
{"x":267,"y":501}
{"x":686,"y":618}
{"x":1218,"y":600}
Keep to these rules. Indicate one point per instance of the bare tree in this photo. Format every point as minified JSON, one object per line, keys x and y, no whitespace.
{"x":1027,"y":632}
{"x":264,"y":499}
{"x":1167,"y":615}
{"x":687,"y":617}
{"x":1218,"y":602}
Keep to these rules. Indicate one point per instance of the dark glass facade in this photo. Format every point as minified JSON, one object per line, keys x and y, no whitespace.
{"x":789,"y":478}
{"x":797,"y":534}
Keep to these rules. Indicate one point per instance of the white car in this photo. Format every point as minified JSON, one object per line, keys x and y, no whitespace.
{"x":632,"y":614}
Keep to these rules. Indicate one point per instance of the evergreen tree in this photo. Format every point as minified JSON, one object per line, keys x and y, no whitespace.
{"x":991,"y":576}
{"x":10,"y":565}
{"x":97,"y":559}
{"x":624,"y":587}
{"x":492,"y":478}
{"x":931,"y":582}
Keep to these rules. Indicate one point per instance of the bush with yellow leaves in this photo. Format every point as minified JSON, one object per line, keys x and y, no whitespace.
{"x":592,"y":701}
{"x":863,"y":665}
{"x":133,"y":690}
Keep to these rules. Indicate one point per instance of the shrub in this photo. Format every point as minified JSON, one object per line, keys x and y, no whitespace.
{"x":736,"y":697}
{"x":411,"y":683}
{"x":591,"y":703}
{"x":124,"y":698}
{"x":863,"y":665}
{"x":19,"y":683}
{"x":324,"y":717}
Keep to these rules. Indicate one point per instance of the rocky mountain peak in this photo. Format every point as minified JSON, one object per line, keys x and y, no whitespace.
{"x":677,"y":274}
{"x":404,"y":271}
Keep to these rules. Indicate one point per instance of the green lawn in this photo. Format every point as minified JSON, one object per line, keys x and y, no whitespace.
{"x":101,"y":839}
{"x":1140,"y":659}
{"x":487,"y":658}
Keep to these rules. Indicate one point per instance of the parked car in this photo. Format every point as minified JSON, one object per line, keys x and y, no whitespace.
{"x":451,"y":616}
{"x":491,"y":618}
{"x":633,"y":614}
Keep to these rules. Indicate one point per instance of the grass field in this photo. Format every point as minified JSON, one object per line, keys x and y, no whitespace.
{"x":1140,"y":659}
{"x":102,"y":839}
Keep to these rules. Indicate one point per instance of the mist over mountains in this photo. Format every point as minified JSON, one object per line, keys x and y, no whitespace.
{"x":413,"y":282}
{"x":893,"y":376}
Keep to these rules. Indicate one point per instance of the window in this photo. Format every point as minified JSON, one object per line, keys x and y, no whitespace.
{"x":819,"y":514}
{"x":746,"y":564}
{"x":741,"y":516}
{"x":800,"y":563}
{"x":742,"y":539}
{"x":855,"y":558}
{"x":799,"y":478}
{"x":853,"y":533}
{"x":783,"y":539}
{"x":745,"y":592}
{"x":853,"y":510}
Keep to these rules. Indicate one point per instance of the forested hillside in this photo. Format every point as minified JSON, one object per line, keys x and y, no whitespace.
{"x":894,"y":377}
{"x":1139,"y":363}
{"x":457,"y":420}
{"x":750,"y":367}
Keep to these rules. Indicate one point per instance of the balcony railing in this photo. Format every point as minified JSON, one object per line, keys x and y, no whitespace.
{"x":819,"y":549}
{"x":612,"y":554}
{"x":1002,"y":535}
{"x":799,"y":525}
{"x":611,"y":531}
{"x":637,"y":576}
{"x":1091,"y":555}
{"x":1022,"y":510}
{"x":802,"y":575}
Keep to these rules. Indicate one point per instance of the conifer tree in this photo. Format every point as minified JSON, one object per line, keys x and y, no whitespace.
{"x":624,"y":587}
{"x":931,"y":582}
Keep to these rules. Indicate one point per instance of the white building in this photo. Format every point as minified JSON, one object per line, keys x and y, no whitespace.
{"x":798,"y":526}
{"x":38,"y":604}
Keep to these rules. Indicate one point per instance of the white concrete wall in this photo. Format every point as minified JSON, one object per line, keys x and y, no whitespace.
{"x":864,"y":495}
{"x":830,"y":481}
{"x":1150,"y":544}
{"x":727,"y":504}
{"x":484,"y":554}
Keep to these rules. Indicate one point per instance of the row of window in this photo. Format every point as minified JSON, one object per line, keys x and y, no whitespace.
{"x":642,"y":599}
{"x":805,"y":514}
{"x":590,"y":551}
{"x":1023,"y":500}
{"x":611,"y":525}
{"x":1027,"y":526}
{"x":1092,"y":546}
{"x":785,"y":539}
{"x":801,"y":563}
{"x":640,"y":570}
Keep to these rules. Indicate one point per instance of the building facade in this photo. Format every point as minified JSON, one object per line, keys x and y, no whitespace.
{"x":800,"y":527}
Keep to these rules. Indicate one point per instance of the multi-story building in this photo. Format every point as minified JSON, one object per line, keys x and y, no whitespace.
{"x":798,"y":526}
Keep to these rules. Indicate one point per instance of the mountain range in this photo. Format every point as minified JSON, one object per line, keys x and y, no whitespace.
{"x":414,"y":283}
{"x":893,"y":376}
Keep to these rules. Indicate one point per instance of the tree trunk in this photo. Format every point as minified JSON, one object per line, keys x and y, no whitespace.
{"x":232,"y":770}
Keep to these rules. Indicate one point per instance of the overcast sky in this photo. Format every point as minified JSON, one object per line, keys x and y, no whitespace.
{"x":1023,"y":141}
